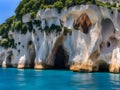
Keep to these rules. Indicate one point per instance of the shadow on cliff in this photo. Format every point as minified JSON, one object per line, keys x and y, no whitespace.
{"x":9,"y":59}
{"x":30,"y":61}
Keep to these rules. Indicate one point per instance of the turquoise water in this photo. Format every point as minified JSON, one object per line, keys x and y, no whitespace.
{"x":14,"y":79}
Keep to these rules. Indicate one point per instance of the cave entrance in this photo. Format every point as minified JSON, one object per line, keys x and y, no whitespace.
{"x":103,"y":66}
{"x":30,"y":62}
{"x":61,"y":59}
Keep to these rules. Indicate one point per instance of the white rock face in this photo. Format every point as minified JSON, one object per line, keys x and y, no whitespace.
{"x":40,"y":48}
{"x":26,"y":18}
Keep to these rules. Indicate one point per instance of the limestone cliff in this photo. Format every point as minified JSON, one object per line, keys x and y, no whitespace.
{"x":89,"y":40}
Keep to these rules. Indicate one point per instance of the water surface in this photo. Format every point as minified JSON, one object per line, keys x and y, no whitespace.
{"x":30,"y":79}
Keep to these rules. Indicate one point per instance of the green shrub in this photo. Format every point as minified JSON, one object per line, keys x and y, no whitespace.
{"x":54,"y":27}
{"x":18,"y":25}
{"x":114,"y":5}
{"x":93,"y":1}
{"x":108,"y":3}
{"x":37,"y":23}
{"x":10,"y":43}
{"x":30,"y":26}
{"x":42,"y":6}
{"x":13,"y":26}
{"x":2,"y":29}
{"x":68,"y":3}
{"x":66,"y":31}
{"x":58,"y":28}
{"x":118,"y":9}
{"x":109,"y":7}
{"x":24,"y":26}
{"x":9,"y":21}
{"x":59,"y":6}
{"x":46,"y":28}
{"x":89,"y":2}
{"x":4,"y":42}
{"x":26,"y":6}
{"x":24,"y":29}
{"x":32,"y":14}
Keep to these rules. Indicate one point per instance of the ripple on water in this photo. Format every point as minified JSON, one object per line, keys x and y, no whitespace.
{"x":29,"y":79}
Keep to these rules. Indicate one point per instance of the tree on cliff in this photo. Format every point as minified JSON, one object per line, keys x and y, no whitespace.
{"x":92,"y":1}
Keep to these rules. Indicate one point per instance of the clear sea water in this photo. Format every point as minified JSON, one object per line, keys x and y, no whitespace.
{"x":30,"y":79}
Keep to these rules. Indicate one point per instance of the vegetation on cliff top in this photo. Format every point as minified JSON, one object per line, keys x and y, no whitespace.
{"x":15,"y":23}
{"x":32,"y":6}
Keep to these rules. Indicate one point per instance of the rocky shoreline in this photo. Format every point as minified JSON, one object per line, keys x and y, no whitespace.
{"x":89,"y":41}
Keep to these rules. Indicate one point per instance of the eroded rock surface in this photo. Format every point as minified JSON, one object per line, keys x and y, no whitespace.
{"x":88,"y":41}
{"x":82,"y":23}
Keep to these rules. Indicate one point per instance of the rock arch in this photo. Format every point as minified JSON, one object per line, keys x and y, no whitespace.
{"x":30,"y":57}
{"x":82,"y":23}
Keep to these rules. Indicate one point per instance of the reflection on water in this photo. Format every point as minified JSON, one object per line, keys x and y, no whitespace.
{"x":83,"y":80}
{"x":115,"y":79}
{"x":19,"y":79}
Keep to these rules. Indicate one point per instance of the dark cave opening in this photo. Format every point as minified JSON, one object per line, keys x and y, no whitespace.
{"x":61,"y":59}
{"x":108,"y":44}
{"x":103,"y":67}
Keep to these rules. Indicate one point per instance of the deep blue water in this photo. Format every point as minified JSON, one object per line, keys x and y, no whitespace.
{"x":30,"y":79}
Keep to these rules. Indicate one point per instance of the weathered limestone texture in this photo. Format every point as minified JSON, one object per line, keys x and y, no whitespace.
{"x":92,"y":45}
